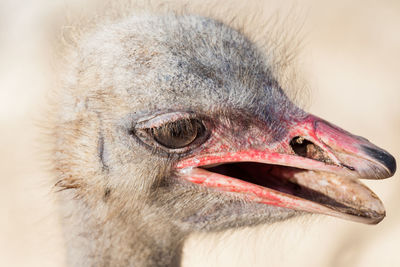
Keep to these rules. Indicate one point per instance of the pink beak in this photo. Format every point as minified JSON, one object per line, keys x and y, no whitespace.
{"x":315,"y":168}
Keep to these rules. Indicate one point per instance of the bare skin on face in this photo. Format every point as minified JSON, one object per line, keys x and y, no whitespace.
{"x":174,"y":124}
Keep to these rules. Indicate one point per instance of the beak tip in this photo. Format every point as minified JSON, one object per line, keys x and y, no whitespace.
{"x":378,"y":219}
{"x":383,"y":157}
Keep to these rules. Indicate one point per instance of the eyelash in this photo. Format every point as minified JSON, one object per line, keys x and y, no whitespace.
{"x":144,"y":131}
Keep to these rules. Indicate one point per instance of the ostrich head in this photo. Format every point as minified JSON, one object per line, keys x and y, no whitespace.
{"x":178,"y":124}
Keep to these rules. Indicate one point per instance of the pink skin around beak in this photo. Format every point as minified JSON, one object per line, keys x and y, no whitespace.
{"x":315,"y":155}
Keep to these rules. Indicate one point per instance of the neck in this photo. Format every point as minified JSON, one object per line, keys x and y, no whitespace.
{"x":104,"y":236}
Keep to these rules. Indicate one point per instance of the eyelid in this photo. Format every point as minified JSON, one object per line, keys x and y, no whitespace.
{"x":142,"y":130}
{"x":159,"y":120}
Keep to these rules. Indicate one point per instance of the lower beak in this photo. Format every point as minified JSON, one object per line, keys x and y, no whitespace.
{"x":314,"y":168}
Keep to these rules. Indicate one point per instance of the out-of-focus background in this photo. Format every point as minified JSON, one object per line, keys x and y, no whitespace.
{"x":350,"y":59}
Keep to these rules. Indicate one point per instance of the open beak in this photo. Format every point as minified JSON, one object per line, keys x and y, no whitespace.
{"x":315,"y":168}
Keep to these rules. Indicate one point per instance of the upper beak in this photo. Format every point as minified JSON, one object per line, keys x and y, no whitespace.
{"x":341,"y":148}
{"x":321,"y":159}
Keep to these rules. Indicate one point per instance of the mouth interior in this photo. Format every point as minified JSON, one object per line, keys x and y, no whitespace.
{"x":276,"y":177}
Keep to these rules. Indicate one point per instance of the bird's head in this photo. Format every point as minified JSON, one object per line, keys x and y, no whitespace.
{"x":183,"y":117}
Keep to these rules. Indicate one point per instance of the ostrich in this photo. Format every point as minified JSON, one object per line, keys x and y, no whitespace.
{"x":174,"y":124}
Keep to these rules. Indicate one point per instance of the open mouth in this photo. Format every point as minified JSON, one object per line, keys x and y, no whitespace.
{"x":319,"y":174}
{"x":278,"y":178}
{"x":344,"y":195}
{"x":291,"y":187}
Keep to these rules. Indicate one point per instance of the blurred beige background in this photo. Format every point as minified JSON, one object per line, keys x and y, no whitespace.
{"x":351,"y":60}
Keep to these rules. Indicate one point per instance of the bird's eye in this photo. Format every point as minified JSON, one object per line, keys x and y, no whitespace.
{"x":177,"y":134}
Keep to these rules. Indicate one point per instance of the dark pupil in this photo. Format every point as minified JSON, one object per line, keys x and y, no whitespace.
{"x":177,"y":134}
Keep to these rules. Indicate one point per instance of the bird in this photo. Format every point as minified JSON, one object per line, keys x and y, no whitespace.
{"x":167,"y":125}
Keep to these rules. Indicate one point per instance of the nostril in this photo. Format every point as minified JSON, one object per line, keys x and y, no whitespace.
{"x":305,"y":148}
{"x":299,"y":146}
